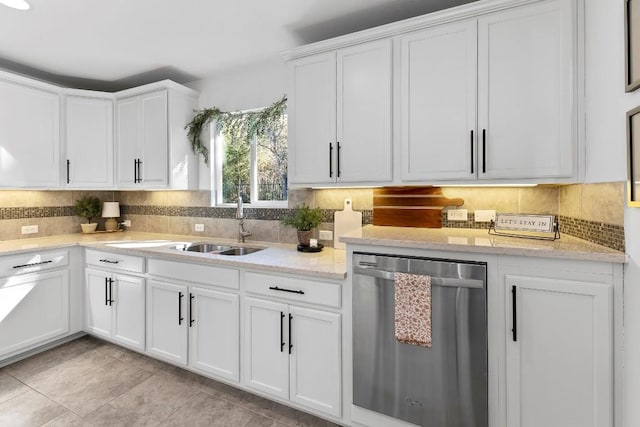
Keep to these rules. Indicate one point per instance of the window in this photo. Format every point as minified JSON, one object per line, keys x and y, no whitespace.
{"x":254,"y":167}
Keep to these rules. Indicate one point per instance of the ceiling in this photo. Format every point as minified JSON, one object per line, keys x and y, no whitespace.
{"x":116,"y":44}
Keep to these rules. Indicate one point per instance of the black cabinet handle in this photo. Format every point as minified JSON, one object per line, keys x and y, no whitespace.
{"x":68,"y":167}
{"x":290,"y":343}
{"x":180,"y":318}
{"x":108,"y":261}
{"x":135,"y":171}
{"x":31,"y":264}
{"x":330,"y":160}
{"x":484,"y":151}
{"x":275,"y":288}
{"x":514,"y":314}
{"x":338,"y":158}
{"x":472,"y":151}
{"x":281,"y":332}
{"x":139,"y":174}
{"x":106,"y":291}
{"x":191,"y":297}
{"x":111,"y":300}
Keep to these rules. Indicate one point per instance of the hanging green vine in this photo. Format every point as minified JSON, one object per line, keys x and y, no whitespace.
{"x":236,"y":125}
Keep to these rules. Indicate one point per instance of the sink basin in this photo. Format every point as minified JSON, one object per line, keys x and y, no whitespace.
{"x":239,"y":251}
{"x":203,"y":247}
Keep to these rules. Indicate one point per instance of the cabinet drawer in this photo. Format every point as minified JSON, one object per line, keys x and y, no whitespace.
{"x":197,"y":273}
{"x":32,"y":262}
{"x":115,"y":261}
{"x":293,"y":288}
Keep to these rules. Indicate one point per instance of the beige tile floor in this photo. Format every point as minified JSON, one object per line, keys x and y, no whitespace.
{"x":88,"y":382}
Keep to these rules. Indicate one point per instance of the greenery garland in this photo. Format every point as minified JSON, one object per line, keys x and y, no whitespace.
{"x":240,"y":124}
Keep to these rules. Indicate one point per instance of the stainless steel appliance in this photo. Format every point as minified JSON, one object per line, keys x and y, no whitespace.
{"x":441,"y":386}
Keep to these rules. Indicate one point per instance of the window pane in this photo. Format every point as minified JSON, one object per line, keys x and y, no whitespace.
{"x":236,"y":168}
{"x":271,"y":149}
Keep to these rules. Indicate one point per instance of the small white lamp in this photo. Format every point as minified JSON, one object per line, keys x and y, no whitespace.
{"x":111,"y":211}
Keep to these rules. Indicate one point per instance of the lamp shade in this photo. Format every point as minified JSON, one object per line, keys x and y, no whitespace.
{"x":111,"y":210}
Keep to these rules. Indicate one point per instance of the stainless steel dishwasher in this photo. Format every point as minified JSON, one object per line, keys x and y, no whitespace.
{"x":441,"y":386}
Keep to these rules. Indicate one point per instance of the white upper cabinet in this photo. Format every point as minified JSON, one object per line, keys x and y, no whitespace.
{"x":340,"y":116}
{"x":29,"y":133}
{"x":152,"y":149}
{"x":438,"y":102}
{"x":89,"y":140}
{"x":487,"y":91}
{"x":527,"y":91}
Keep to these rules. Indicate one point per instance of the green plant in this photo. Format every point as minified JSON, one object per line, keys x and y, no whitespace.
{"x":88,"y":207}
{"x":304,"y":218}
{"x":240,"y":127}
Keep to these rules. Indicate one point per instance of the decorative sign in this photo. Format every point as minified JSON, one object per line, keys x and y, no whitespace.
{"x":534,"y":223}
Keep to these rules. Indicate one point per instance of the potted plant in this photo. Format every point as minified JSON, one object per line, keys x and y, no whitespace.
{"x":88,"y":207}
{"x":304,"y":219}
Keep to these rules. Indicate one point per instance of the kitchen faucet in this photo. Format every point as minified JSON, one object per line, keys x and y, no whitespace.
{"x":242,"y":233}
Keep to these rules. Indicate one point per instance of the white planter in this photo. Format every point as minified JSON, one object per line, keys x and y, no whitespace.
{"x":89,"y":228}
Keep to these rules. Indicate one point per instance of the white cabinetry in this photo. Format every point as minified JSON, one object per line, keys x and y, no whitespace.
{"x":29,"y":133}
{"x":527,"y":103}
{"x":115,"y":299}
{"x":189,"y":322}
{"x":89,"y":140}
{"x":152,"y":150}
{"x":34,"y":300}
{"x":293,"y":352}
{"x":340,"y":116}
{"x":559,"y":350}
{"x":524,"y":60}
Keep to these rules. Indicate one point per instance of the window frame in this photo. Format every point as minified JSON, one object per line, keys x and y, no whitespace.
{"x":217,"y":144}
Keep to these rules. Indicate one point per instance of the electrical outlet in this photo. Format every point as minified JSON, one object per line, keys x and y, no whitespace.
{"x":325,"y":235}
{"x":199,"y":227}
{"x":126,"y":223}
{"x":484,"y":215}
{"x":29,"y":229}
{"x":457,"y":214}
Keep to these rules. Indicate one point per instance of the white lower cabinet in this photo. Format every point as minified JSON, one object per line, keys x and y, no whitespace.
{"x":34,"y":308}
{"x":559,"y":352}
{"x":115,"y":307}
{"x":194,"y":326}
{"x":294,"y":353}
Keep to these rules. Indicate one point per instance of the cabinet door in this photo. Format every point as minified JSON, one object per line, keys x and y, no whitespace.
{"x":33,"y":309}
{"x":526,"y":92}
{"x":89,"y":142}
{"x":167,"y":321}
{"x":316,"y":374}
{"x":128,"y":310}
{"x":364,"y":112}
{"x":154,"y":142}
{"x":312,"y":120}
{"x":559,"y":366}
{"x":438,"y":100}
{"x":128,"y":137}
{"x":29,"y":136}
{"x":214,"y":335}
{"x":98,"y":310}
{"x":266,"y":366}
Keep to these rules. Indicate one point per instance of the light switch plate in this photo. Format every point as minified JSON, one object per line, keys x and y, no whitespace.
{"x":29,"y":229}
{"x":325,"y":235}
{"x":199,"y":227}
{"x":484,"y":215}
{"x":457,"y":214}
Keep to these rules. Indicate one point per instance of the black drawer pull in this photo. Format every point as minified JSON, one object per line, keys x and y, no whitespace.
{"x":108,"y":261}
{"x":106,"y":291}
{"x":275,"y":288}
{"x":472,"y":151}
{"x":514,"y":314}
{"x":191,"y":320}
{"x":180,"y":318}
{"x":281,"y":332}
{"x":31,"y":264}
{"x":290,"y":343}
{"x":111,"y":300}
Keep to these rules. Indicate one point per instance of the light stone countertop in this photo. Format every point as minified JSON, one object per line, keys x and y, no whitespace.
{"x":280,"y":258}
{"x":479,"y":241}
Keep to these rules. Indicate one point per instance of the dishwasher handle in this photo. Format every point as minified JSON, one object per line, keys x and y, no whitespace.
{"x":435,"y":281}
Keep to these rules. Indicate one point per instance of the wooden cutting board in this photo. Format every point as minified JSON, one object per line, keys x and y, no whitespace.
{"x":344,"y":222}
{"x":410,"y":206}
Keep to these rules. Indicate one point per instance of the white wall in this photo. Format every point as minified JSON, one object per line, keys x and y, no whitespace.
{"x":244,"y":88}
